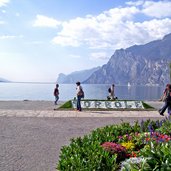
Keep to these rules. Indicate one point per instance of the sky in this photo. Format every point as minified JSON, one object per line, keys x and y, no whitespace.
{"x":41,"y":38}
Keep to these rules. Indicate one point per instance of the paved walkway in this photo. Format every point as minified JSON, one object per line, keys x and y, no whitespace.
{"x":45,"y":109}
{"x":31,"y":136}
{"x":33,"y":144}
{"x":57,"y":114}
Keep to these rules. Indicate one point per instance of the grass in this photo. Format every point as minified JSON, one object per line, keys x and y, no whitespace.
{"x":66,"y":105}
{"x":147,"y":106}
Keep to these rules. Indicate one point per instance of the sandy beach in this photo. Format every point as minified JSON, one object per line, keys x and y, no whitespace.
{"x":32,"y":133}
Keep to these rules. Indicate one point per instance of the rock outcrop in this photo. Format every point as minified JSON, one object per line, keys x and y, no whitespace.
{"x":138,"y":65}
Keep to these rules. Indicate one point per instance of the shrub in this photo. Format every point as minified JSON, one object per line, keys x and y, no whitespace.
{"x":159,"y":155}
{"x":114,"y":148}
{"x":165,"y":127}
{"x":82,"y":154}
{"x":135,"y":164}
{"x":106,"y":147}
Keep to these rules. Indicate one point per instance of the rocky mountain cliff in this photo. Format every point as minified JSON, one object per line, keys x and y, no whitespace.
{"x":76,"y":76}
{"x":138,"y":65}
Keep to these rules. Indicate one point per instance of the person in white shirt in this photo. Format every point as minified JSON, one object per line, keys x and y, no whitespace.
{"x":80,"y":94}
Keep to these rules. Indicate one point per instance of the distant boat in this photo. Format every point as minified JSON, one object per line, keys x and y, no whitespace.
{"x":129,"y":84}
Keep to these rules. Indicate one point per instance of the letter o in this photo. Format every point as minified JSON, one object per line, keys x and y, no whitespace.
{"x":118,"y":104}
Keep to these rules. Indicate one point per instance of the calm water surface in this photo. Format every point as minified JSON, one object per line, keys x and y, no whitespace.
{"x":28,"y":91}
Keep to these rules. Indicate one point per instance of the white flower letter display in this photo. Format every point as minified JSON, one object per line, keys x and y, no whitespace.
{"x":95,"y":104}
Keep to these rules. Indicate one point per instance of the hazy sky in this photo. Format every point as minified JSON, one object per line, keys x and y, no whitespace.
{"x":41,"y":38}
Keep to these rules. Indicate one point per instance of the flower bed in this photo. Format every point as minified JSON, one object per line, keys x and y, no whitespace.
{"x":143,"y":146}
{"x":94,"y":104}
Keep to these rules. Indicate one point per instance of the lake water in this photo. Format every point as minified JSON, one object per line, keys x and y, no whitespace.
{"x":29,"y":91}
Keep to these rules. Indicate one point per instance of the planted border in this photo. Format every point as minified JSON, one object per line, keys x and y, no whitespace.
{"x":142,"y":146}
{"x":68,"y":105}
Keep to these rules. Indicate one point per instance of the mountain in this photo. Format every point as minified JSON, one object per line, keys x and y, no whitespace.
{"x":3,"y":80}
{"x":76,"y":76}
{"x":146,"y":64}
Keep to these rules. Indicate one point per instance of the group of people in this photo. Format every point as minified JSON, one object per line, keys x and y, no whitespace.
{"x":166,"y":98}
{"x":80,"y":94}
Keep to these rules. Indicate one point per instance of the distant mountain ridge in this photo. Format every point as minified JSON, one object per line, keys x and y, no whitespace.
{"x":76,"y":76}
{"x":3,"y":80}
{"x":146,"y":64}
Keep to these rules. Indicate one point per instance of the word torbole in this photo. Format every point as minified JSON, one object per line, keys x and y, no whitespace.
{"x":109,"y":104}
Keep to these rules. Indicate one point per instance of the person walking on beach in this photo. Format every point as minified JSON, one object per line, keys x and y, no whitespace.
{"x":166,"y":97}
{"x":80,"y":94}
{"x":56,"y":94}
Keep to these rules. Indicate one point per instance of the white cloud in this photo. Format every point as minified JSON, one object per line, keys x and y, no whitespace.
{"x":93,"y":31}
{"x":2,"y":22}
{"x":17,"y":14}
{"x":4,"y":2}
{"x":115,"y":28}
{"x":99,"y":56}
{"x":3,"y":11}
{"x":36,"y":43}
{"x":6,"y":37}
{"x":44,"y":21}
{"x":3,"y":37}
{"x":158,"y":9}
{"x":66,"y":41}
{"x":135,"y":3}
{"x":75,"y":56}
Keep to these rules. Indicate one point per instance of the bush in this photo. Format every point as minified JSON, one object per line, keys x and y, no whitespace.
{"x":82,"y":154}
{"x":117,"y":149}
{"x":135,"y":164}
{"x":159,"y":155}
{"x":105,"y":148}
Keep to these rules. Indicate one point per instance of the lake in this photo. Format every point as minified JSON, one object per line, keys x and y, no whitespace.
{"x":33,"y":91}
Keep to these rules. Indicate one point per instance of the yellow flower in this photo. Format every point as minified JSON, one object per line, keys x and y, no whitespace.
{"x":147,"y":146}
{"x":128,"y":145}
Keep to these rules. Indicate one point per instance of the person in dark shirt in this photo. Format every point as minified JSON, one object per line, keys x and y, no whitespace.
{"x":56,"y":94}
{"x":166,"y":97}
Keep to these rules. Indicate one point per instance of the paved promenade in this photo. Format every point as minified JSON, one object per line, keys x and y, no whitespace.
{"x":31,"y":135}
{"x":46,"y":109}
